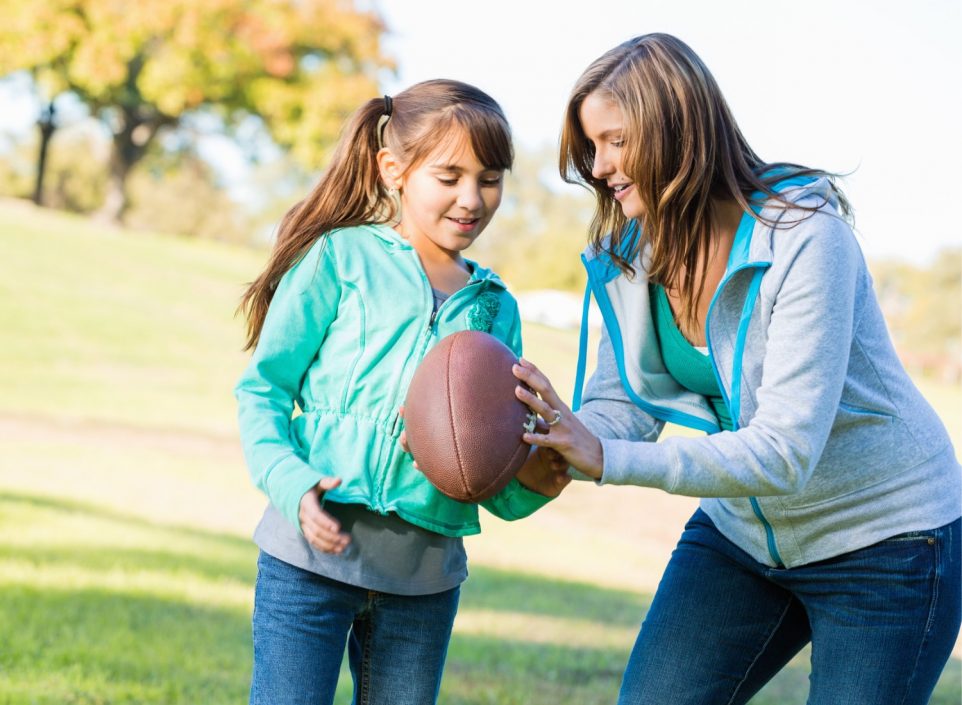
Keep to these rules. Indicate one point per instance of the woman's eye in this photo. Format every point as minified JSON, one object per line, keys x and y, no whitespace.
{"x":618,"y":143}
{"x":491,"y":182}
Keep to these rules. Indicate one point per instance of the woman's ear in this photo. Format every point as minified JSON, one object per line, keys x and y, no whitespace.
{"x":389,"y":168}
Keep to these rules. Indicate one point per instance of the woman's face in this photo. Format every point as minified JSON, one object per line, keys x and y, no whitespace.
{"x":601,"y":121}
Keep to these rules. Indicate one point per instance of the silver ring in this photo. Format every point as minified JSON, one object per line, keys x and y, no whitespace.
{"x":557,"y":418}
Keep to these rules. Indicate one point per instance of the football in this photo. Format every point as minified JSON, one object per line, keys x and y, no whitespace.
{"x":463,"y":422}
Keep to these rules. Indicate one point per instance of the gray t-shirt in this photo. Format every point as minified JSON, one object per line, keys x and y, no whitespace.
{"x":386,"y":553}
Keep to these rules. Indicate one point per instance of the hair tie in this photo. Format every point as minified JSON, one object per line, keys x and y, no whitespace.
{"x":382,"y":121}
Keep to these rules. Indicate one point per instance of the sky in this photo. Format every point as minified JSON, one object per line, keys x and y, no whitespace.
{"x":867,"y":88}
{"x":870,"y":88}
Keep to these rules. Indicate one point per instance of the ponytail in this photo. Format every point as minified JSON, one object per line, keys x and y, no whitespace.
{"x":350,"y":192}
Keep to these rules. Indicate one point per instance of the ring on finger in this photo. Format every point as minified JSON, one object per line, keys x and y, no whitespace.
{"x":557,"y":418}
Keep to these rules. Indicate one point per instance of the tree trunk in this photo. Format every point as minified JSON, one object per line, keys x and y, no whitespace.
{"x":47,"y":127}
{"x":130,"y":145}
{"x":115,"y":199}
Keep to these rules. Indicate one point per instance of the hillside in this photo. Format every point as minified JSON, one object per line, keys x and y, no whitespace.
{"x":125,"y":508}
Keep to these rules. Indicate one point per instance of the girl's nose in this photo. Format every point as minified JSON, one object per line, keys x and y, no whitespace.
{"x":470,"y":198}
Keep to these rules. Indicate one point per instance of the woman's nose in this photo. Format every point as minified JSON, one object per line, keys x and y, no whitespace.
{"x":601,"y":165}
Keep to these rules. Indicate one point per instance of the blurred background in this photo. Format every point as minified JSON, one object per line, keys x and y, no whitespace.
{"x":147,"y":151}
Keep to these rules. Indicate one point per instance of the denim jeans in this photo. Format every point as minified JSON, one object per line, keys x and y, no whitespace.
{"x":882,"y":621}
{"x":396,"y":644}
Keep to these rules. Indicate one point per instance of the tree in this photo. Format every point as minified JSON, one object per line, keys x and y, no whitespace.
{"x":301,"y":66}
{"x":536,"y":238}
{"x":923,"y":307}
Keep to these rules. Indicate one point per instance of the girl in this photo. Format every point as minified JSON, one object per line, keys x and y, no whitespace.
{"x":368,"y":274}
{"x":736,"y":301}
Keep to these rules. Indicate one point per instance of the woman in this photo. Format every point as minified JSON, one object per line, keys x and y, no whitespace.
{"x":736,"y":301}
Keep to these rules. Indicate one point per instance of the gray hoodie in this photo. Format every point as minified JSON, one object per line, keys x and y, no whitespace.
{"x":834,"y":448}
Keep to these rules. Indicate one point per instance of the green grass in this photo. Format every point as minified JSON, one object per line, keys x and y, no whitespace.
{"x":126,"y":568}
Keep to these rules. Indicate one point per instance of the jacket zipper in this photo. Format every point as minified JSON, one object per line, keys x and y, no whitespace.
{"x":426,"y":336}
{"x":673,"y":416}
{"x":735,"y":412}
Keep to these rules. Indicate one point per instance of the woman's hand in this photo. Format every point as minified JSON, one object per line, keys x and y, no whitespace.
{"x":321,"y":529}
{"x":565,"y":434}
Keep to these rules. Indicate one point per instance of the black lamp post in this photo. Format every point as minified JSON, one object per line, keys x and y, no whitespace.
{"x":47,"y":126}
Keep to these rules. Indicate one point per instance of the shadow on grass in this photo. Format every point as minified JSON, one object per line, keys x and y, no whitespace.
{"x":108,"y":644}
{"x":493,"y":589}
{"x":131,"y":520}
{"x":98,"y":646}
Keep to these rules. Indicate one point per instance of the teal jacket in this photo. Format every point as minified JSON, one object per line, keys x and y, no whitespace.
{"x":345,"y":330}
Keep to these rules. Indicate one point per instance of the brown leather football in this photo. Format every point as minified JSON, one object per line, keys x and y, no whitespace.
{"x":462,"y":419}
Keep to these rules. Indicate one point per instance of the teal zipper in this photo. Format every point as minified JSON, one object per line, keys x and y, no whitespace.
{"x":734,"y":403}
{"x":769,"y":533}
{"x":428,"y":333}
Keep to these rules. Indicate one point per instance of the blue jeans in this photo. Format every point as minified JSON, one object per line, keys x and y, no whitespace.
{"x":396,"y":644}
{"x":882,"y":621}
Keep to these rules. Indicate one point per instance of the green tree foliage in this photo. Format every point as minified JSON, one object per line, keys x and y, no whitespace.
{"x":76,"y":177}
{"x":923,"y":307}
{"x":178,"y":193}
{"x":76,"y":180}
{"x":300,"y":65}
{"x":170,"y":191}
{"x":535,"y":240}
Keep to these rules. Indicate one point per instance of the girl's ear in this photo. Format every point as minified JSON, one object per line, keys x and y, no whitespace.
{"x":389,"y":168}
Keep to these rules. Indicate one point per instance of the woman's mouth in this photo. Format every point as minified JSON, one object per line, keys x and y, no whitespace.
{"x":619,"y":190}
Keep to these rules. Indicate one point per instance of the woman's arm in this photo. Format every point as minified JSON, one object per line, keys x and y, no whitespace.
{"x":806,"y":358}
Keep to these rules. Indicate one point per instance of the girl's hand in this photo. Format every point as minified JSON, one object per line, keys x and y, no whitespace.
{"x":565,"y":433}
{"x":321,"y":529}
{"x":545,"y":472}
{"x":403,"y":438}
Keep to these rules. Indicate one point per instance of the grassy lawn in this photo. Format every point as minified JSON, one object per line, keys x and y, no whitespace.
{"x":126,"y":568}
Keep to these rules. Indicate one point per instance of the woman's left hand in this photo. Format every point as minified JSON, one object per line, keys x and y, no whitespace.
{"x":565,"y":433}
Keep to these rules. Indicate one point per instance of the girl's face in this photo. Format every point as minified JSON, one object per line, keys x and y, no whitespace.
{"x":448,"y":198}
{"x":602,"y":123}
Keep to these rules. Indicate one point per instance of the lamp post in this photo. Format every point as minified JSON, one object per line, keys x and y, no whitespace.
{"x":47,"y":126}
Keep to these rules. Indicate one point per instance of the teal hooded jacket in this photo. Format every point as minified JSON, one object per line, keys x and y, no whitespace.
{"x":344,"y":332}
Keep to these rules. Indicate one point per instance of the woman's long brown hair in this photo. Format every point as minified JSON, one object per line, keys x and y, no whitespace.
{"x":350,"y":191}
{"x":683,"y":151}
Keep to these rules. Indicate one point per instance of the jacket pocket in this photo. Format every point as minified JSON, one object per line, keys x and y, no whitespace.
{"x":866,"y":449}
{"x":856,"y":412}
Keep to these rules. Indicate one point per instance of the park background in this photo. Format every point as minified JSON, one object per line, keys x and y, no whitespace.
{"x":126,"y":568}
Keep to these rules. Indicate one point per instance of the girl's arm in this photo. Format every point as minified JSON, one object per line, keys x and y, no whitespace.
{"x":517,"y":500}
{"x":302,"y":308}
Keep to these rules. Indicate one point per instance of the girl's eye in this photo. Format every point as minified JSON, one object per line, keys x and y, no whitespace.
{"x":448,"y":182}
{"x":491,"y":182}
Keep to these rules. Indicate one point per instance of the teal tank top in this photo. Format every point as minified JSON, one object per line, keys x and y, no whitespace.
{"x":690,"y":367}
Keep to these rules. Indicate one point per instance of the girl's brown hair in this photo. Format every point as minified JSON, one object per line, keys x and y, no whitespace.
{"x":350,"y":191}
{"x":683,"y":151}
